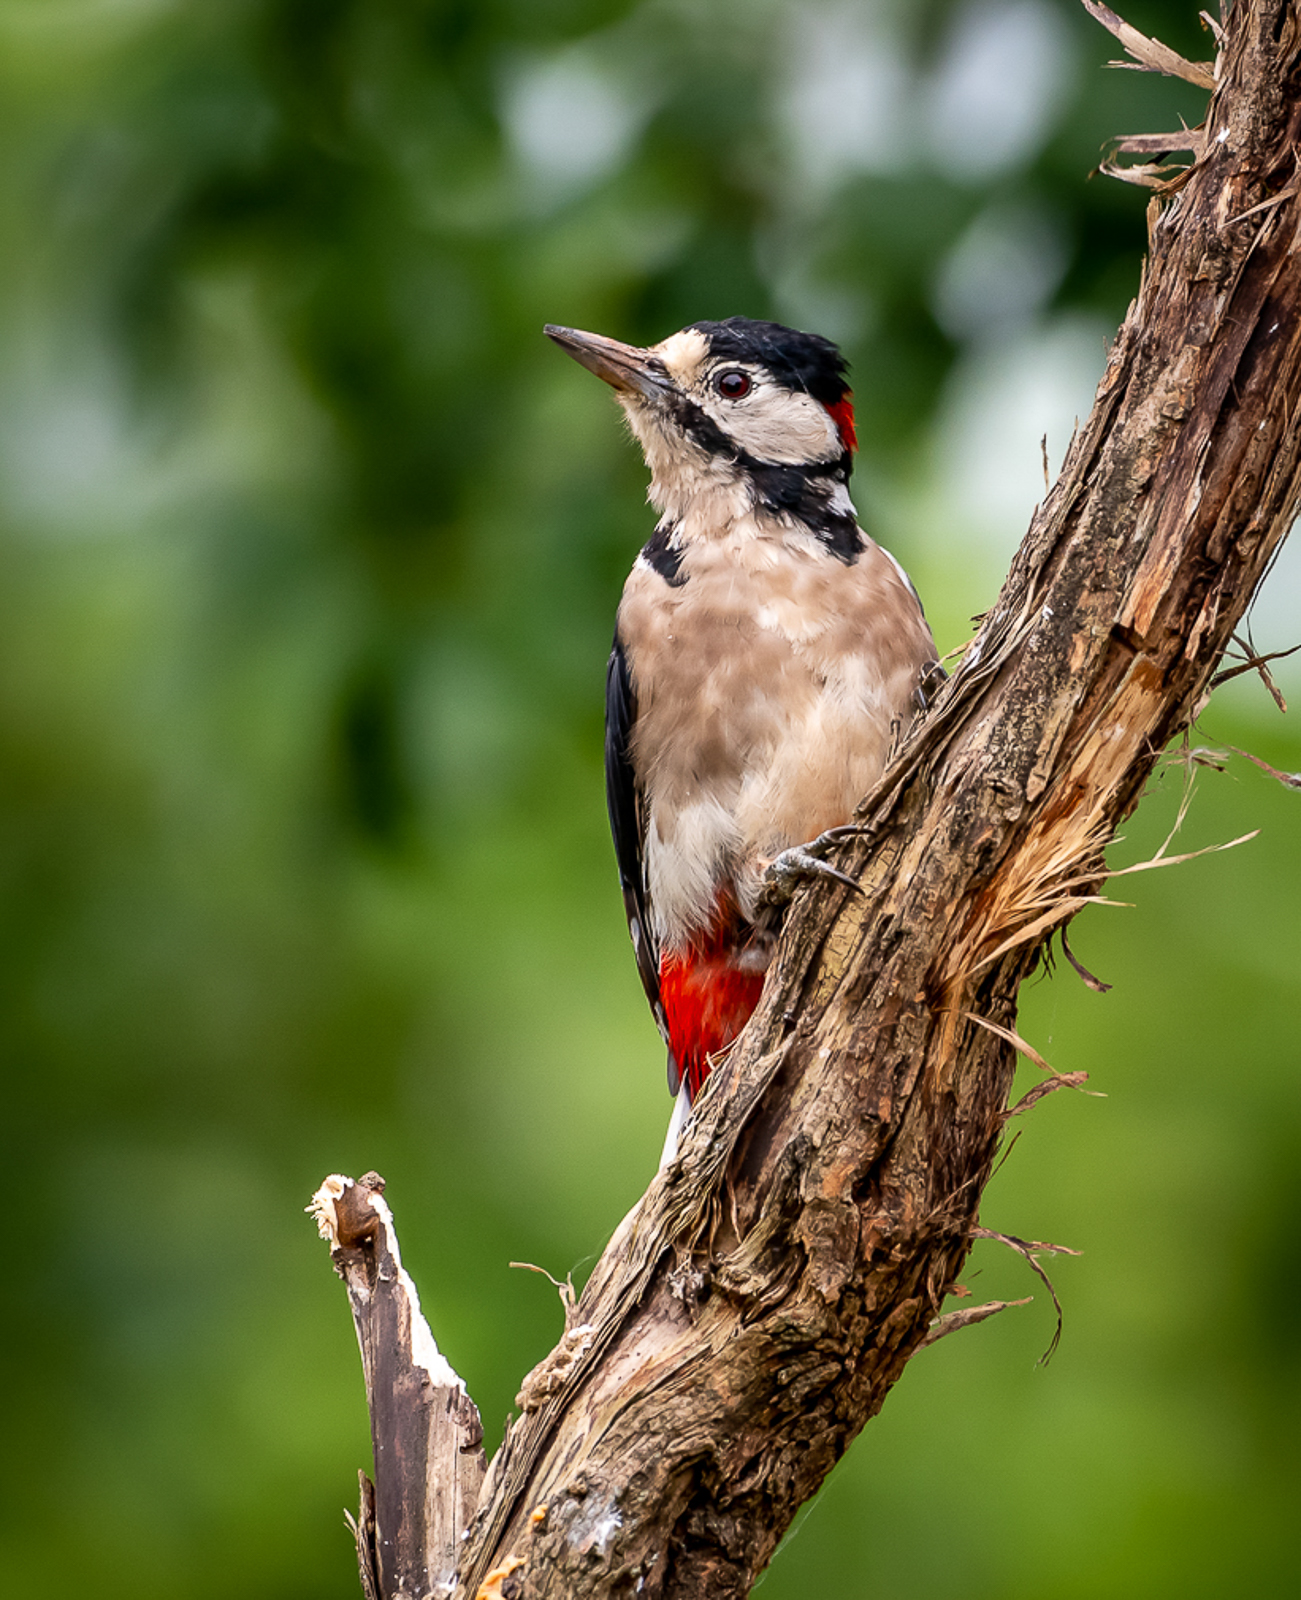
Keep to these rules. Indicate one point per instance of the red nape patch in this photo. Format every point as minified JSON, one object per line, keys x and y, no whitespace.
{"x":842,"y":414}
{"x":706,"y":1004}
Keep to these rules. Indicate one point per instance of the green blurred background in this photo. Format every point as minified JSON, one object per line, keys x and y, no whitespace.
{"x":310,"y":549}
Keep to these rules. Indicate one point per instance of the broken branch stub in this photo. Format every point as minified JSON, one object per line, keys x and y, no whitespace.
{"x":425,"y":1429}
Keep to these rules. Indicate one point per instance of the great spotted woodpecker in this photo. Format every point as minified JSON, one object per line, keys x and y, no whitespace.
{"x":766,"y":653}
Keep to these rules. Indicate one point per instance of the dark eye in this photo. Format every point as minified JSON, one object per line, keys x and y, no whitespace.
{"x":732,"y":385}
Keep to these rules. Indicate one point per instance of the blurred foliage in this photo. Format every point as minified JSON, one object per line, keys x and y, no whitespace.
{"x":311,"y":546}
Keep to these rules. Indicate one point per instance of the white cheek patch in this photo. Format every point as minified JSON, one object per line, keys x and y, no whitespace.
{"x":773,"y":424}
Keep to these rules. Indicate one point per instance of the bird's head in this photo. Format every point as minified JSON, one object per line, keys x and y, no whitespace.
{"x":727,"y":403}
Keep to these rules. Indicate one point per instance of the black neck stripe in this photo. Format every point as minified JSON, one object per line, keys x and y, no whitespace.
{"x":663,"y":557}
{"x":801,"y":491}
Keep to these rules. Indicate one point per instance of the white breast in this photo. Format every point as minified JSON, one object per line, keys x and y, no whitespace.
{"x":768,"y":686}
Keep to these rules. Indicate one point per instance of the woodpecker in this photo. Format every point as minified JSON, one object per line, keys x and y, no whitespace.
{"x":766,"y":654}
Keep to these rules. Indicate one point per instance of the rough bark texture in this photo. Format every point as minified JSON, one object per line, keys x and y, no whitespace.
{"x":752,"y":1313}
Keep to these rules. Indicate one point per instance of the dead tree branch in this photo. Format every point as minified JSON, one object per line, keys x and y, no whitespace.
{"x":425,"y":1431}
{"x":754,"y":1310}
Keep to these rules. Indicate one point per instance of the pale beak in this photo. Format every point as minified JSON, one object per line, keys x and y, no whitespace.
{"x":625,"y":367}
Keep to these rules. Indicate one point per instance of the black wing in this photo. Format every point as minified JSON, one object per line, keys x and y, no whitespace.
{"x":628,"y":827}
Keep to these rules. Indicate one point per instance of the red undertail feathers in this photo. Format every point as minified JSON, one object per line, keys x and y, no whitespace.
{"x":707,"y":996}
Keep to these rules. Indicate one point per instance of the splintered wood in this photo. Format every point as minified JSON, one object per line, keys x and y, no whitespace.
{"x":425,"y":1429}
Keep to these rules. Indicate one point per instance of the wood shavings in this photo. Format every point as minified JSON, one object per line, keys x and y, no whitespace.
{"x":1150,"y":55}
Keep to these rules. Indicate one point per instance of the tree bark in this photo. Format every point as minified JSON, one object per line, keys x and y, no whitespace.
{"x":753,"y":1311}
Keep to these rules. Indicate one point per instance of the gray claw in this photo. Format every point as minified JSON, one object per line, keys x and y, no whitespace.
{"x":787,"y":871}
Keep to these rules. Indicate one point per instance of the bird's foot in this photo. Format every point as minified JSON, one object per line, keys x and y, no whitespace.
{"x":786,"y":872}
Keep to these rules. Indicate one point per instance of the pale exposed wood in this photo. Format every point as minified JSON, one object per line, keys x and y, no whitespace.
{"x":754,"y":1310}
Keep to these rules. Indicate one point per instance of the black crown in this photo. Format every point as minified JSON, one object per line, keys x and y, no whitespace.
{"x":800,"y":361}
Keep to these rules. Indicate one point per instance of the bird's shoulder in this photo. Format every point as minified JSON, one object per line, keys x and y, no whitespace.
{"x":775,"y":578}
